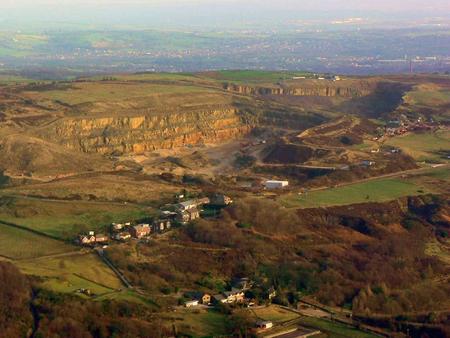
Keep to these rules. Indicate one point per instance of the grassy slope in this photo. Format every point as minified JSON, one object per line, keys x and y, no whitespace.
{"x":198,"y":323}
{"x":334,"y":330}
{"x":423,"y":146}
{"x":274,"y":314}
{"x":377,"y":191}
{"x":117,"y":91}
{"x":66,"y":219}
{"x":67,"y":274}
{"x":21,"y":244}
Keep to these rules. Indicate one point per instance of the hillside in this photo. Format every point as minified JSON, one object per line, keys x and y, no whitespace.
{"x":361,"y":230}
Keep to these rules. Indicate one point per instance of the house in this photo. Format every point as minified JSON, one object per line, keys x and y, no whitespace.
{"x":271,"y":293}
{"x":117,"y":226}
{"x":86,"y":239}
{"x":122,"y":236}
{"x":264,"y":325}
{"x":161,"y":225}
{"x":100,"y":238}
{"x":169,"y":215}
{"x":234,"y":296}
{"x":221,"y":200}
{"x":187,"y":216}
{"x":276,"y":184}
{"x":140,"y":231}
{"x":206,"y":299}
{"x":191,"y":303}
{"x":243,"y":283}
{"x":191,"y":204}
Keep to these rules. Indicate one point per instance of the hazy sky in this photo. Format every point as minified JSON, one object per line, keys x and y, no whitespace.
{"x":300,"y":4}
{"x":157,"y":13}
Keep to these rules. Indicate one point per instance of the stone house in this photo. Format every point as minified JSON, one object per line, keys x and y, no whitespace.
{"x":140,"y":231}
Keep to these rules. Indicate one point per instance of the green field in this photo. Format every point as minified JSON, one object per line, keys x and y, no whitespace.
{"x":255,"y":75}
{"x":371,"y":191}
{"x":63,"y":219}
{"x":424,"y":146}
{"x":97,"y":92}
{"x":429,"y":97}
{"x":21,"y":244}
{"x":334,"y":330}
{"x":69,"y":273}
{"x":274,"y":314}
{"x":198,"y":323}
{"x":7,"y":79}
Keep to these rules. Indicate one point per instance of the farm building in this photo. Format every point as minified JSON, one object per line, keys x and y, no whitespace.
{"x":276,"y":184}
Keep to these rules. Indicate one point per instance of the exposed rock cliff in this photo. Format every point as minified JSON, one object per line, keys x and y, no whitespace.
{"x":328,"y":89}
{"x":146,"y":132}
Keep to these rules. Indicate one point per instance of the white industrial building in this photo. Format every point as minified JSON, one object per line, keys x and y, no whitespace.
{"x":276,"y":184}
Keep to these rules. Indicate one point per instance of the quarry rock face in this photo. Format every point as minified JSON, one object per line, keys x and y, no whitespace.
{"x":137,"y":134}
{"x":325,"y":90}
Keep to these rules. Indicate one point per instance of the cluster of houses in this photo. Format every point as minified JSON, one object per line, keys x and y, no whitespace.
{"x":184,"y":213}
{"x":126,"y":231}
{"x":237,"y":295}
{"x":92,"y":238}
{"x":189,"y":210}
{"x":403,"y":126}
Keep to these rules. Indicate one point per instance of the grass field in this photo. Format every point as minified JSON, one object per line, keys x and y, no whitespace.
{"x":65,"y":219}
{"x":371,"y":191}
{"x":105,"y":91}
{"x":428,"y":95}
{"x":424,"y":146}
{"x":334,"y":330}
{"x":7,"y":79}
{"x":21,"y":244}
{"x":255,"y":75}
{"x":69,"y":273}
{"x":274,"y":314}
{"x":198,"y":323}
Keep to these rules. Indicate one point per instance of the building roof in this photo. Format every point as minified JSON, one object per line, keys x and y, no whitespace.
{"x":234,"y":291}
{"x":141,"y":227}
{"x":219,"y":297}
